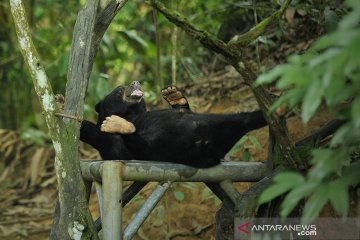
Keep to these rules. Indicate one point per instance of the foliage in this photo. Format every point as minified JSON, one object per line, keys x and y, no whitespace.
{"x":207,"y":194}
{"x":127,"y":53}
{"x":179,"y":196}
{"x":246,"y":143}
{"x":328,"y":73}
{"x":32,"y":135}
{"x":52,"y":29}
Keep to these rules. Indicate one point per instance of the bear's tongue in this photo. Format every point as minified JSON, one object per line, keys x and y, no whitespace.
{"x":137,"y":93}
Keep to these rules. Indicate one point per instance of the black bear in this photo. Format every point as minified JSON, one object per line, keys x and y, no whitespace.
{"x":111,"y":146}
{"x":125,"y":130}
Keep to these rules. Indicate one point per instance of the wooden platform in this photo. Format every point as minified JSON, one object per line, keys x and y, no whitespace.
{"x":108,"y":177}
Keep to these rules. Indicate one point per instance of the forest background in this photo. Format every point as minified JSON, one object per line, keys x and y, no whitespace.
{"x":143,"y":45}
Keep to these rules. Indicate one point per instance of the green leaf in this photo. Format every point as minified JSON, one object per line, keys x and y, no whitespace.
{"x":272,"y":75}
{"x":331,"y":20}
{"x":340,"y":135}
{"x":327,"y":161}
{"x":326,"y":41}
{"x":293,"y":197}
{"x":355,"y":112}
{"x":217,"y":201}
{"x":334,"y":89}
{"x":320,"y":155}
{"x":352,"y":52}
{"x":6,"y":184}
{"x":339,"y":196}
{"x":179,"y":196}
{"x":206,"y":194}
{"x":239,"y":145}
{"x":290,"y":99}
{"x":159,"y":214}
{"x":350,"y":20}
{"x":293,"y":177}
{"x":135,"y":41}
{"x":102,"y":87}
{"x":255,"y":142}
{"x":110,"y":45}
{"x":296,"y":75}
{"x":272,"y":192}
{"x":312,"y":100}
{"x":351,"y":174}
{"x":32,"y":135}
{"x":63,"y":63}
{"x":243,"y":140}
{"x":283,"y":182}
{"x":320,"y":59}
{"x":315,"y":204}
{"x":189,"y":185}
{"x":246,"y":156}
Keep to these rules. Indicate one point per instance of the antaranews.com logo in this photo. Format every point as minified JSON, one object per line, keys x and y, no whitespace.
{"x":274,"y":228}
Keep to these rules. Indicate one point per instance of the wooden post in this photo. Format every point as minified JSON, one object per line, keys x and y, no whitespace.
{"x":112,"y":200}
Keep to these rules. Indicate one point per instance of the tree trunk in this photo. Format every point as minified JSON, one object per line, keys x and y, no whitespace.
{"x":75,"y":219}
{"x":72,"y":216}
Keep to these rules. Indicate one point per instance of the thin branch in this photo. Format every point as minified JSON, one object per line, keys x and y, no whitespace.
{"x":238,"y":42}
{"x":174,"y":37}
{"x":322,"y":133}
{"x":158,"y":53}
{"x":68,"y":116}
{"x":257,"y":49}
{"x":103,"y":21}
{"x":173,"y":55}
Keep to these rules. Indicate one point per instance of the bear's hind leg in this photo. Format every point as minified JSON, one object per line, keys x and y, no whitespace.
{"x":175,"y":98}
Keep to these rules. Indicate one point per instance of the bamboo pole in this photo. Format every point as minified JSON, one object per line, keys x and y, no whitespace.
{"x":112,"y":200}
{"x":145,"y":210}
{"x":163,"y":171}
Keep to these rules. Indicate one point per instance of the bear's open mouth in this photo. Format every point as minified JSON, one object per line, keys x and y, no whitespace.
{"x":134,"y":91}
{"x":137,"y":93}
